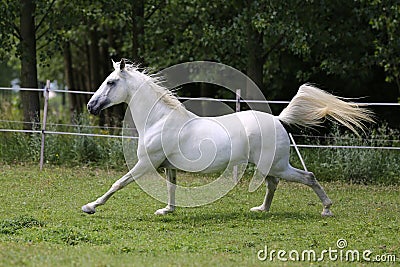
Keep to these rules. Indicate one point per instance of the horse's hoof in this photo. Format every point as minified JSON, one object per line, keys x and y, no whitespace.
{"x":258,"y":209}
{"x":163,"y":211}
{"x":327,"y":213}
{"x":87,"y":209}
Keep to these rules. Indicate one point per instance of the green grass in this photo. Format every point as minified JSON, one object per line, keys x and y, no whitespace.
{"x":41,"y":223}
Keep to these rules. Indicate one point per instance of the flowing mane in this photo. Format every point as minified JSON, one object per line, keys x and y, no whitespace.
{"x":155,"y":81}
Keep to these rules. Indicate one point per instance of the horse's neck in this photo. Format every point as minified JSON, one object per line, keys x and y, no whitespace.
{"x":148,"y":107}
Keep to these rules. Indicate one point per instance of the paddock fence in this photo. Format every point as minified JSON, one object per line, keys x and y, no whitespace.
{"x":238,"y":103}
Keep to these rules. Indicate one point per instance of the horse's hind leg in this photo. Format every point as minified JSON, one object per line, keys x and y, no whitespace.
{"x":308,"y":178}
{"x":171,"y":186}
{"x":271,"y":184}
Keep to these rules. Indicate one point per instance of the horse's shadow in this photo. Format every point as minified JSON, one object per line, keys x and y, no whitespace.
{"x":229,"y":216}
{"x":223,"y":217}
{"x":215,"y":217}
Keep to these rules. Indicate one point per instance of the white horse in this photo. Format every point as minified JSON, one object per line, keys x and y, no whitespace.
{"x":159,"y":115}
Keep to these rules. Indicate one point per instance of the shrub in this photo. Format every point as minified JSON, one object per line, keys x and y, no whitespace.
{"x":367,"y":166}
{"x":355,"y":165}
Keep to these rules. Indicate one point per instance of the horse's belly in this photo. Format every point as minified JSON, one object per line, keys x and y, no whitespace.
{"x":206,"y":145}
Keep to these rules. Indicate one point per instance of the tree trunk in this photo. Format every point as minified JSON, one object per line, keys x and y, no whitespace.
{"x":112,"y":34}
{"x":255,"y":64}
{"x":137,"y":30}
{"x":206,"y":106}
{"x":30,"y":100}
{"x":95,"y":67}
{"x":255,"y":61}
{"x":75,"y":105}
{"x":95,"y":64}
{"x":115,"y":114}
{"x":84,"y":75}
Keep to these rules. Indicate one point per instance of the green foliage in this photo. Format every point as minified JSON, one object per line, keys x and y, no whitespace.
{"x":384,"y":19}
{"x":374,"y":166}
{"x":363,"y":166}
{"x":8,"y":31}
{"x":63,"y":149}
{"x":342,"y":45}
{"x":85,"y":148}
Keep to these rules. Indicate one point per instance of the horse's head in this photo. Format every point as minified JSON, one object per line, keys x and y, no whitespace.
{"x":112,"y":91}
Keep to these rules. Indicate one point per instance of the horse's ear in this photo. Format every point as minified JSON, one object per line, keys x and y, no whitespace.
{"x":115,"y":65}
{"x":122,"y":64}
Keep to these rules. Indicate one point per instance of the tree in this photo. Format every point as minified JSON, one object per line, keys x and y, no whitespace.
{"x":350,"y":47}
{"x":138,"y":20}
{"x":24,"y":33}
{"x":384,"y":19}
{"x":20,"y":32}
{"x":30,"y":99}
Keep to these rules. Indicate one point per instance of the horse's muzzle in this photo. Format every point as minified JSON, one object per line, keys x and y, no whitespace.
{"x":92,"y":110}
{"x":96,"y":105}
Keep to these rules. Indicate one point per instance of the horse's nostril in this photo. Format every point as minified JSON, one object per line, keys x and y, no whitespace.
{"x":90,"y":107}
{"x":91,"y":104}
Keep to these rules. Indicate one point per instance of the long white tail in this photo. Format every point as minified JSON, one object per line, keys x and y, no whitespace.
{"x":310,"y":105}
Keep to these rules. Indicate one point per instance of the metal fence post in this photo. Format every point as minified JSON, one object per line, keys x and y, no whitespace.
{"x":46,"y":101}
{"x":237,"y":109}
{"x":298,"y":152}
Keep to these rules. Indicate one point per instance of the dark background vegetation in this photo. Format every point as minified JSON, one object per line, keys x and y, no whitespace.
{"x":351,"y":48}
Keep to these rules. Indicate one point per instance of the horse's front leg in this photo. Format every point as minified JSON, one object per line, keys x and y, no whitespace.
{"x":137,"y":171}
{"x":171,"y":186}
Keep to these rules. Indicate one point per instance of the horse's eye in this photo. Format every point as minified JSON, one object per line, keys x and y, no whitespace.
{"x":111,"y":83}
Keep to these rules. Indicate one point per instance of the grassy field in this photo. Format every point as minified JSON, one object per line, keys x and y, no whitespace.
{"x":41,"y":223}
